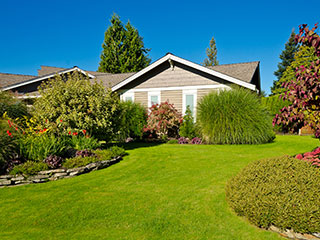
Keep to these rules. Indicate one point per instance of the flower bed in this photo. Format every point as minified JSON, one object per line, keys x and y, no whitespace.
{"x":55,"y":174}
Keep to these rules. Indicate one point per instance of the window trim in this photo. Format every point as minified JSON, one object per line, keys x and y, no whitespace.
{"x":184,"y":99}
{"x":127,"y":94}
{"x":153,"y":93}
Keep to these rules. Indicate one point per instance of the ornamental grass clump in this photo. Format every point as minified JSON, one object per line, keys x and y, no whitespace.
{"x":234,"y":116}
{"x":282,"y":191}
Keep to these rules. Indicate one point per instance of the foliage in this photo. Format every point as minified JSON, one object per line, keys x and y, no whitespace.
{"x":287,"y":57}
{"x":304,"y":91}
{"x":12,"y":106}
{"x":187,"y":128}
{"x":79,"y":104}
{"x":117,"y":151}
{"x":123,"y":49}
{"x":311,"y":157}
{"x":280,"y":191}
{"x":134,"y":118}
{"x":163,"y":120}
{"x":29,"y":168}
{"x":84,"y":142}
{"x":38,"y":147}
{"x":274,"y":104}
{"x":183,"y":140}
{"x":212,"y":54}
{"x":196,"y":140}
{"x":85,"y":153}
{"x":102,"y":155}
{"x":78,"y":161}
{"x":173,"y":141}
{"x":234,"y":116}
{"x":53,"y":161}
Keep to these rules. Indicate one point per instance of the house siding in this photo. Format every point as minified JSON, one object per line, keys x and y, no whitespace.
{"x":141,"y":97}
{"x":174,"y":97}
{"x":203,"y":92}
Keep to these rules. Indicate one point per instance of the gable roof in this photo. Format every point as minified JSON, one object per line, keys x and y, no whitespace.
{"x":7,"y":79}
{"x":236,"y":78}
{"x":50,"y":75}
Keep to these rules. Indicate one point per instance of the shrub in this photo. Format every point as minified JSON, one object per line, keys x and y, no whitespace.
{"x":282,"y":191}
{"x":183,"y":140}
{"x":12,"y":106}
{"x":117,"y":151}
{"x":173,"y":141}
{"x":104,"y":154}
{"x":234,"y":117}
{"x":311,"y":157}
{"x":39,"y":146}
{"x":84,"y":142}
{"x":84,"y":153}
{"x":53,"y":161}
{"x":163,"y":120}
{"x":196,"y":140}
{"x":79,"y":104}
{"x":134,"y":118}
{"x":78,"y":161}
{"x":29,"y":168}
{"x":187,"y":128}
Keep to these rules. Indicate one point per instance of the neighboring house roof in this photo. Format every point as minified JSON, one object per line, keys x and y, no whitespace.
{"x":45,"y":70}
{"x":7,"y":79}
{"x":40,"y":78}
{"x":170,"y":57}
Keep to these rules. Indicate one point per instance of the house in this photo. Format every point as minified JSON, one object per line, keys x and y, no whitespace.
{"x":170,"y":78}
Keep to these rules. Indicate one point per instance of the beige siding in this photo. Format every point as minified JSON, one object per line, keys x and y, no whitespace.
{"x":174,"y":97}
{"x":203,"y":92}
{"x":141,"y":97}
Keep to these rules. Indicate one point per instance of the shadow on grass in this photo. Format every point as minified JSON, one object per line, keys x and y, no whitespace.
{"x":133,"y":145}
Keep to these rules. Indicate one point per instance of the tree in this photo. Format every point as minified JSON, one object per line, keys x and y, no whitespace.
{"x":304,"y":91}
{"x":287,"y":57}
{"x":212,"y":54}
{"x":123,"y":49}
{"x":303,"y":57}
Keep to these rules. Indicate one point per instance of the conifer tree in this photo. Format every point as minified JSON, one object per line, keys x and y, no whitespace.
{"x":123,"y":49}
{"x":212,"y":54}
{"x":287,"y":57}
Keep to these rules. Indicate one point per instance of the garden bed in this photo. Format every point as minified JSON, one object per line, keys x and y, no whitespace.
{"x":55,"y":174}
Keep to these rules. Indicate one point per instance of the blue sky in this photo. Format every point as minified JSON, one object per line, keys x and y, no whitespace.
{"x":68,"y":33}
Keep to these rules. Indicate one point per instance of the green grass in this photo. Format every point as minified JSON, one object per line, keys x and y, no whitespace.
{"x":156,"y":192}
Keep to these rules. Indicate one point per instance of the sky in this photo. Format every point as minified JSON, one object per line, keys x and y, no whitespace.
{"x":70,"y":33}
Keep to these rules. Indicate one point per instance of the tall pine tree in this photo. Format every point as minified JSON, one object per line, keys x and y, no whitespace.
{"x":287,"y":57}
{"x":212,"y":54}
{"x":123,"y":49}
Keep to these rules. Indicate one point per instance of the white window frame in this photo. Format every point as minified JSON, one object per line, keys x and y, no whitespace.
{"x":127,"y":94}
{"x":184,"y":103}
{"x":153,"y":93}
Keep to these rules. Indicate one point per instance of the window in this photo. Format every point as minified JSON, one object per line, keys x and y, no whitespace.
{"x":127,"y":96}
{"x":153,"y":98}
{"x":189,"y":99}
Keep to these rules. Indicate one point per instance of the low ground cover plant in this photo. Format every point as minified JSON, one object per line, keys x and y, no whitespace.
{"x":29,"y":168}
{"x":234,"y":116}
{"x":282,"y":191}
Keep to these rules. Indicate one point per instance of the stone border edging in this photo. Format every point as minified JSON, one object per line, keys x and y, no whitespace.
{"x":293,"y":235}
{"x":55,"y":174}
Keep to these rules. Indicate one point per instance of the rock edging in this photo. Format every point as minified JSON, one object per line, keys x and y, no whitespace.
{"x":288,"y":233}
{"x":54,"y":174}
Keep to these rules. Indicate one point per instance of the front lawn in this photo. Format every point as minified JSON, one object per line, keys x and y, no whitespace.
{"x":156,"y":192}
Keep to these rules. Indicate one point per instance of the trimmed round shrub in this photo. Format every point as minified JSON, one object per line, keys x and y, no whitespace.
{"x":282,"y":191}
{"x":234,"y":117}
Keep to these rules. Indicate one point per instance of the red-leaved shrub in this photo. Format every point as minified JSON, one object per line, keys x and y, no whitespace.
{"x":312,"y":157}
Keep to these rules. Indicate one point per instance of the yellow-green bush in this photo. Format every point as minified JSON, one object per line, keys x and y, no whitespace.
{"x":282,"y":191}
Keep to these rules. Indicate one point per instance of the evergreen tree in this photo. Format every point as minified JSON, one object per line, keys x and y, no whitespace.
{"x":287,"y":57}
{"x":123,"y":49}
{"x":212,"y":54}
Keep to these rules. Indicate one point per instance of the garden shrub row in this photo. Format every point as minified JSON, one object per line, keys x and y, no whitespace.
{"x":282,"y":191}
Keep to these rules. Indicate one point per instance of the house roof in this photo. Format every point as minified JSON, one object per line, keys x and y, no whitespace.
{"x":242,"y":71}
{"x":239,"y":73}
{"x":7,"y":79}
{"x":236,"y":78}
